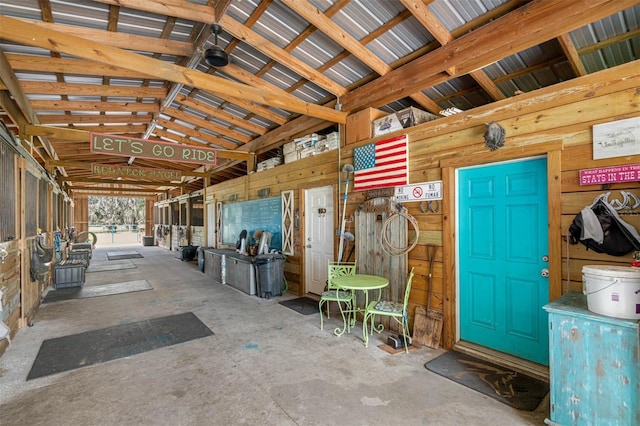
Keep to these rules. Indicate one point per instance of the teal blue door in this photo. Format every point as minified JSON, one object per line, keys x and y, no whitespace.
{"x":502,"y":252}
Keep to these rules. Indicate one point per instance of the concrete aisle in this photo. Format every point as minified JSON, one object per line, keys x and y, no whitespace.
{"x":265,"y":365}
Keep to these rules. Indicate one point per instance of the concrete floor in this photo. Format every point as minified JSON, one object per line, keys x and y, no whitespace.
{"x":265,"y":365}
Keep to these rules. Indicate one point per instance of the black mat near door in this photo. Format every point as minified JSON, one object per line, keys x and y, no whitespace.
{"x":96,"y":291}
{"x":97,"y":346}
{"x":303,"y":305}
{"x":501,"y":383}
{"x":120,"y":255}
{"x":104,"y":266}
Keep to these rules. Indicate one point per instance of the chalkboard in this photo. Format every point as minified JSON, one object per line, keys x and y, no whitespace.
{"x":264,"y":214}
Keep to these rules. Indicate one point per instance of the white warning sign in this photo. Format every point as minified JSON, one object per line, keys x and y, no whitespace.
{"x":419,"y":192}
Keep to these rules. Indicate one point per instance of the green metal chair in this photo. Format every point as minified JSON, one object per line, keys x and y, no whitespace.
{"x":333,"y":293}
{"x":395,"y":310}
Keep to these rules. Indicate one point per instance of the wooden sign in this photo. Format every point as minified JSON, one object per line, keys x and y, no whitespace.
{"x":153,"y":150}
{"x":611,"y":174}
{"x":616,"y":139}
{"x":419,"y":191}
{"x":135,"y":172}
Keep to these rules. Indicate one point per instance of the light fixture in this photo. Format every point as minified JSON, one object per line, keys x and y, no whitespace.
{"x":450,"y":111}
{"x":216,"y":56}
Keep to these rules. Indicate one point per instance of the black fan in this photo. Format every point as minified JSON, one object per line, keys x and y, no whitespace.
{"x":216,"y":56}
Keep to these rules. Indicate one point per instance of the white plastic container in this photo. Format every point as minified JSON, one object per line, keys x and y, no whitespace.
{"x":612,"y":290}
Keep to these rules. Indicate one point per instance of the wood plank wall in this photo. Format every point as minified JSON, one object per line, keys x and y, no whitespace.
{"x":556,"y":122}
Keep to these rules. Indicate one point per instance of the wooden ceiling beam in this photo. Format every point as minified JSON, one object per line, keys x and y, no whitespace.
{"x":57,"y":133}
{"x":256,"y":109}
{"x":335,"y":32}
{"x":61,"y":105}
{"x":332,"y":30}
{"x":220,"y":114}
{"x":18,"y":31}
{"x":432,"y":24}
{"x":123,"y":181}
{"x":27,"y":114}
{"x":571,"y":52}
{"x":529,"y":25}
{"x":119,"y":40}
{"x":12,"y":84}
{"x":70,"y":66}
{"x":114,"y":191}
{"x":98,"y":90}
{"x":179,"y":9}
{"x":272,"y":50}
{"x":204,"y":124}
{"x":10,"y":108}
{"x":180,"y":130}
{"x":70,"y":119}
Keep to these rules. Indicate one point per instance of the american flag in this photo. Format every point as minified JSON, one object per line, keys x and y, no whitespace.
{"x":381,"y":164}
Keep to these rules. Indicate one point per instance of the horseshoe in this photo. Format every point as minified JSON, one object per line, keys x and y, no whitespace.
{"x":432,"y":206}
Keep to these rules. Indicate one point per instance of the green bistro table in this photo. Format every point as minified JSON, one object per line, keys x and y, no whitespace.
{"x":353,"y":283}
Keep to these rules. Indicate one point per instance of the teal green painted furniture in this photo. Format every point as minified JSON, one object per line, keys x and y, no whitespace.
{"x":359,"y":282}
{"x":335,"y":294}
{"x":593,"y":366}
{"x":395,"y":310}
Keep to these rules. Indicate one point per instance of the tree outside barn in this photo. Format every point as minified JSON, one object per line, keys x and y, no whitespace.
{"x":116,"y":214}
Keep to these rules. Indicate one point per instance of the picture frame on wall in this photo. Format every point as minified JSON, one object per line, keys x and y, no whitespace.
{"x":616,"y":139}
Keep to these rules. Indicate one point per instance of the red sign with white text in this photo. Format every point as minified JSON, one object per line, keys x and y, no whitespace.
{"x":613,"y":174}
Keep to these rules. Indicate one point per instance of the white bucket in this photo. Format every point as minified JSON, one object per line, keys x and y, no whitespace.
{"x":612,"y":290}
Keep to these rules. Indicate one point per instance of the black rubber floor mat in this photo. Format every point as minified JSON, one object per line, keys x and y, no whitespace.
{"x":103,"y":266}
{"x":96,"y":291}
{"x":119,"y":255}
{"x":303,"y":305}
{"x":94,"y":347}
{"x":501,"y":383}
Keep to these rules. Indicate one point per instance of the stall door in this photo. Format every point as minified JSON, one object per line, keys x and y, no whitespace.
{"x":319,"y":237}
{"x":502,"y":253}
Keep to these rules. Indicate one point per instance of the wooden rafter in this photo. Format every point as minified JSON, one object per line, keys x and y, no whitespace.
{"x":19,"y":31}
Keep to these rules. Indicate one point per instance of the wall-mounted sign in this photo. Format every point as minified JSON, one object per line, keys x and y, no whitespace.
{"x":135,"y":172}
{"x":613,"y":174}
{"x":153,"y":150}
{"x":419,"y":191}
{"x":616,"y":139}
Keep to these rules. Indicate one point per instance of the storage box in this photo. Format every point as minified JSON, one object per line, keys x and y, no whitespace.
{"x":307,"y":152}
{"x":269,"y":164}
{"x":333,"y":137}
{"x":78,"y":246}
{"x":69,"y":273}
{"x":328,"y":143}
{"x":612,"y":290}
{"x":147,"y":240}
{"x":291,"y":157}
{"x":81,"y":254}
{"x":403,"y":119}
{"x":306,"y":141}
{"x":288,"y":148}
{"x":358,"y":126}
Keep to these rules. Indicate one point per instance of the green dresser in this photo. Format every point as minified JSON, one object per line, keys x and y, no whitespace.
{"x":593,"y":366}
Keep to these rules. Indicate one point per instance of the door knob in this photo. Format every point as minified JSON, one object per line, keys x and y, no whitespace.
{"x":545,"y":273}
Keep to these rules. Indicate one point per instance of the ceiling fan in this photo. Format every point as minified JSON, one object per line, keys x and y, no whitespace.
{"x":216,"y":56}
